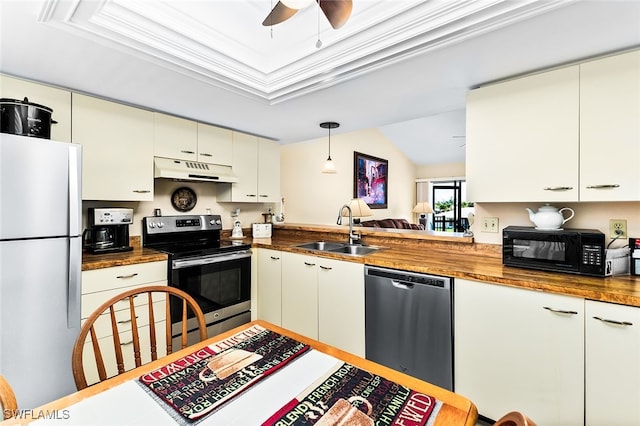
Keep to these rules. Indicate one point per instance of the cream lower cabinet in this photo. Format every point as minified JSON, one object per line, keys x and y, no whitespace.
{"x":270,"y":285}
{"x":518,"y":349}
{"x":58,"y":100}
{"x":117,"y":149}
{"x":323,"y":299}
{"x":341,"y":305}
{"x":612,"y":364}
{"x":98,"y":286}
{"x":300,"y":293}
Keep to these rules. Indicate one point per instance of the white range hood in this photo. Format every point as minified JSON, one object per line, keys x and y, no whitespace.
{"x":169,"y":168}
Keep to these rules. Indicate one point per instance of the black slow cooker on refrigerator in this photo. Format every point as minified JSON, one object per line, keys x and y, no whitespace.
{"x":25,"y":118}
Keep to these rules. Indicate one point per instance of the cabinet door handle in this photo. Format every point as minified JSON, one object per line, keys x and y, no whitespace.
{"x":274,"y":258}
{"x":326,"y":268}
{"x":141,"y":191}
{"x":604,"y":186}
{"x":309,"y":264}
{"x":560,"y":311}
{"x":184,"y":151}
{"x":206,"y":154}
{"x":126,"y":321}
{"x":251,"y":195}
{"x":127,"y":276}
{"x":263,"y":196}
{"x":126,"y":343}
{"x":614,"y":322}
{"x":558,"y":188}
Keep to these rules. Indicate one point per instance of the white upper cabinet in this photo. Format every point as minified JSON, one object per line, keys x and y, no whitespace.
{"x":522,"y":139}
{"x":610,"y":128}
{"x":215,"y":145}
{"x":117,"y":149}
{"x":571,"y":134}
{"x":175,"y":137}
{"x":256,"y":163}
{"x":183,"y":139}
{"x":57,"y":99}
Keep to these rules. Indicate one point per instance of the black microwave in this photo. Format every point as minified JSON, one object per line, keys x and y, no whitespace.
{"x":576,"y":251}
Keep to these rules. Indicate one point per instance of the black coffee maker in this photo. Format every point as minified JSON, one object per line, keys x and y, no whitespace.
{"x":107,"y":230}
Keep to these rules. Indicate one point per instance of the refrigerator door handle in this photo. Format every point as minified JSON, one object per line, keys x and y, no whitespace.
{"x":75,"y":190}
{"x":75,"y":283}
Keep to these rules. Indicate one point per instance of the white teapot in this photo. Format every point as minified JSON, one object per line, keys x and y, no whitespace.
{"x":549,"y":217}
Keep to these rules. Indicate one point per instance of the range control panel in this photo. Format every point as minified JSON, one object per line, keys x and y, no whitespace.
{"x":167,"y":224}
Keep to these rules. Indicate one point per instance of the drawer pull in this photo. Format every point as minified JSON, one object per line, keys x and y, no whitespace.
{"x":186,"y":151}
{"x":126,"y":321}
{"x":275,"y":258}
{"x":605,"y":186}
{"x":126,"y":343}
{"x":141,"y":191}
{"x":614,"y":322}
{"x":560,"y":311}
{"x":309,"y":264}
{"x":127,"y":276}
{"x":326,"y":268}
{"x":558,"y":188}
{"x":205,"y":154}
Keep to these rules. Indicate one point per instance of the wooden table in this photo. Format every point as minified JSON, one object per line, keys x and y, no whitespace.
{"x":456,"y":409}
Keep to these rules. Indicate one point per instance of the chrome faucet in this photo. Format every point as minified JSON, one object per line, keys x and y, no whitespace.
{"x":353,"y":237}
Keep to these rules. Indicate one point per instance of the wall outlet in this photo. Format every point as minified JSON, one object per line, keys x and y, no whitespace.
{"x":617,"y":228}
{"x":489,"y":224}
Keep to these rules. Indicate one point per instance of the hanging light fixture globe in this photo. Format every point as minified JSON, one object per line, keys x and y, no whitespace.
{"x":329,"y":166}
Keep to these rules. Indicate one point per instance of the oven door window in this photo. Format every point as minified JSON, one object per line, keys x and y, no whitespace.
{"x":215,"y":285}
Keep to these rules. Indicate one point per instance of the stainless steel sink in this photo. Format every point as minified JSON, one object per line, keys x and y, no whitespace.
{"x":355,"y":250}
{"x":335,"y":247}
{"x":321,"y":245}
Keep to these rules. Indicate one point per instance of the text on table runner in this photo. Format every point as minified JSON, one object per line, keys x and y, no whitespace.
{"x":204,"y":380}
{"x":349,"y":395}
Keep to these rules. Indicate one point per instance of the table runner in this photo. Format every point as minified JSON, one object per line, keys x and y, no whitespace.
{"x":347,"y":395}
{"x":204,"y":380}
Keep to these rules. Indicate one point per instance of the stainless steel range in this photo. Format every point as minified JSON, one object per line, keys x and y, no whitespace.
{"x":217,"y":274}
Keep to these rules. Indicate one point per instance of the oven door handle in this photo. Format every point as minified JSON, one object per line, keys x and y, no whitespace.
{"x":207,"y":260}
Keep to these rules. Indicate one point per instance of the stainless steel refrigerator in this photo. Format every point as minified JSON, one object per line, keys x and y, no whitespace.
{"x":40,"y":265}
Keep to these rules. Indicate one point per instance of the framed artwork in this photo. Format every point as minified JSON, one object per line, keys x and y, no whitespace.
{"x":370,"y":180}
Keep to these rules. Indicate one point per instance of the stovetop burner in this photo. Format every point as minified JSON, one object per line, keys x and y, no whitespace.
{"x":187,"y":235}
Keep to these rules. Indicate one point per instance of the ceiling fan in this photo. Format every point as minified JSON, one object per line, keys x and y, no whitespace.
{"x":336,"y":11}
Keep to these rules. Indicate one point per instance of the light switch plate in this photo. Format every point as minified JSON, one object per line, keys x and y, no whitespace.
{"x":490,"y":224}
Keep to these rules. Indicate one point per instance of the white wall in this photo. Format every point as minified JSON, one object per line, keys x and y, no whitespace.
{"x":312,"y":197}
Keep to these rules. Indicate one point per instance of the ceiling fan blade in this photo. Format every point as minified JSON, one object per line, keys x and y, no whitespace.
{"x":336,"y":11}
{"x":280,"y":13}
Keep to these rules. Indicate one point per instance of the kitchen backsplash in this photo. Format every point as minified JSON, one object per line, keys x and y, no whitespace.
{"x":206,"y":199}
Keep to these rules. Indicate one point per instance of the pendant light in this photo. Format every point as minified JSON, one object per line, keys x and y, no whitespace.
{"x":329,"y":167}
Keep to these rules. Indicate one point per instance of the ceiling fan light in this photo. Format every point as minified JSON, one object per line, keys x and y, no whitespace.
{"x":297,"y":4}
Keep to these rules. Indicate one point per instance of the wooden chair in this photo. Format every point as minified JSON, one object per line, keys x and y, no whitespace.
{"x":514,"y":418}
{"x":7,"y":399}
{"x":129,"y":313}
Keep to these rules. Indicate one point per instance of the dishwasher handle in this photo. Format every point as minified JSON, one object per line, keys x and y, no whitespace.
{"x":406,"y":279}
{"x":402,"y":285}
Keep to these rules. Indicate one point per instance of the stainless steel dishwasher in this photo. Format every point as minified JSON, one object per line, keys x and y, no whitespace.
{"x":409,"y":323}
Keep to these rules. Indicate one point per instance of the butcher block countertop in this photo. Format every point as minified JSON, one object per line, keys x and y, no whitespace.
{"x":439,"y":253}
{"x":109,"y":260}
{"x":432,"y":253}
